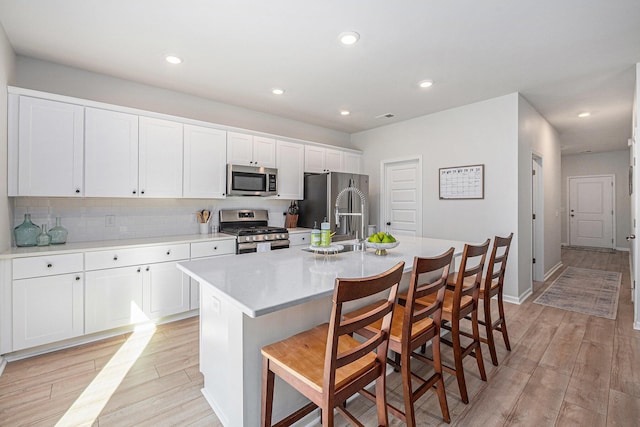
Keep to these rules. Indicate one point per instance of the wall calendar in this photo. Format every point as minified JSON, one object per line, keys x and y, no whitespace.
{"x":462,"y":182}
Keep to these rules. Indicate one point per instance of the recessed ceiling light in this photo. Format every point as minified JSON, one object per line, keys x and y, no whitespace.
{"x":584,"y":114}
{"x":425,"y":83}
{"x":349,"y":37}
{"x":277,"y":91}
{"x":171,"y":59}
{"x":345,"y":112}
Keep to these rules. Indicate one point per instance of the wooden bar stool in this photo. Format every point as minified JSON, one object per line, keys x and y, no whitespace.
{"x":411,"y":328}
{"x":491,"y":286}
{"x":461,"y":300}
{"x":326,"y":364}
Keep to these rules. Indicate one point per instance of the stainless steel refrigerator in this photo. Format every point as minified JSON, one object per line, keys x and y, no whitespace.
{"x":320,"y":193}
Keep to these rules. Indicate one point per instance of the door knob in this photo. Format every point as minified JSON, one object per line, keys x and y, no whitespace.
{"x":631,"y":236}
{"x":572,"y":215}
{"x":388,"y":223}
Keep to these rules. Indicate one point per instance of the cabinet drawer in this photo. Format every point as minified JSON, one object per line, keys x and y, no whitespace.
{"x":46,"y":265}
{"x":218,"y":247}
{"x":299,"y":239}
{"x":126,"y":257}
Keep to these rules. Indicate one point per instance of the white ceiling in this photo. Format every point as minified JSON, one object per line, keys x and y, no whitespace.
{"x":564,"y":56}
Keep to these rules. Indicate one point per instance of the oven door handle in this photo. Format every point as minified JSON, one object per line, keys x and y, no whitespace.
{"x":275,"y":244}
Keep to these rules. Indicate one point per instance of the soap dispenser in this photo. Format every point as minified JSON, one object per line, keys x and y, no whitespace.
{"x":315,"y":235}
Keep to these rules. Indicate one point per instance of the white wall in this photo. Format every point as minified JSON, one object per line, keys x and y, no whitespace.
{"x":55,"y":78}
{"x":607,"y":163}
{"x":485,"y":132}
{"x":537,"y":136}
{"x":636,"y":137}
{"x":7,"y":73}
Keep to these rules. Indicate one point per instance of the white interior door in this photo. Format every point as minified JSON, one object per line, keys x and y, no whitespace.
{"x":635,"y":252}
{"x":402,"y":197}
{"x":591,"y":212}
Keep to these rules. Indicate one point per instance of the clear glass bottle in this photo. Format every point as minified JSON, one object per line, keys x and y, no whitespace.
{"x":58,"y":233}
{"x":44,"y":239}
{"x":26,"y":234}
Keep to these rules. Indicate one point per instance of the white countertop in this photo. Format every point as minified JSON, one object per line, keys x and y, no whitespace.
{"x":15,"y":252}
{"x":261,"y":283}
{"x":298,"y":230}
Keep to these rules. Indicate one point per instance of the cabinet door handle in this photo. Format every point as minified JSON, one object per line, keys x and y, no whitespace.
{"x":77,"y":191}
{"x":142,"y":192}
{"x":139,"y":269}
{"x":148,"y":268}
{"x":215,"y":248}
{"x":49,"y":265}
{"x":115,"y":257}
{"x":134,"y":191}
{"x":169,"y":252}
{"x":77,"y":278}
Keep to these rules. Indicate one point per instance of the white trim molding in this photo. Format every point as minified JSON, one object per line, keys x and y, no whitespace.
{"x":518,"y":300}
{"x":550,"y":273}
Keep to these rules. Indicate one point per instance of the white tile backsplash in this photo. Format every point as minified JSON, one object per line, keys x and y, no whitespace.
{"x":85,"y":218}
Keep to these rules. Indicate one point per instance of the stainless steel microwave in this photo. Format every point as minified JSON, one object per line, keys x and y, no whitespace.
{"x":251,"y":181}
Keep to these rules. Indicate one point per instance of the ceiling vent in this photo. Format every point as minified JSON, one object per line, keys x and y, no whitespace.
{"x":385,"y":116}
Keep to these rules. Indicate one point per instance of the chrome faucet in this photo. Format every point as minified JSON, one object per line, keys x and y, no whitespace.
{"x":363,"y":200}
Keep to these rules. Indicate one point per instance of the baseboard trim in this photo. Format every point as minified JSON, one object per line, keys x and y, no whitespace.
{"x":555,"y":268}
{"x":623,"y":249}
{"x":3,"y":364}
{"x":637,"y":326}
{"x":518,"y":300}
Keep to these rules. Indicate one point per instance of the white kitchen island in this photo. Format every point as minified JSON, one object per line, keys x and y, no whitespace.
{"x":251,"y":300}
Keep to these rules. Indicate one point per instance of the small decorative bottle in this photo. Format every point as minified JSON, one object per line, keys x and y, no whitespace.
{"x":44,"y":239}
{"x":58,"y":233}
{"x":26,"y":234}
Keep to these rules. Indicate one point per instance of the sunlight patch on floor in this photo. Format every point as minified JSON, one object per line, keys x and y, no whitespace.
{"x":86,"y":409}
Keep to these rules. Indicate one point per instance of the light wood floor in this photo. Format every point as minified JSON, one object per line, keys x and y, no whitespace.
{"x":566,"y":369}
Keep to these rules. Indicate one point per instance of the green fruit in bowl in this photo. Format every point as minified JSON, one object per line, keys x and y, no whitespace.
{"x":391,"y":238}
{"x":386,"y":239}
{"x":380,"y":235}
{"x":374,"y":238}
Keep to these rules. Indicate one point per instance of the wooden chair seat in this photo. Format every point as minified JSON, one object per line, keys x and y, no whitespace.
{"x":303,"y":355}
{"x":447,"y":304}
{"x":395,"y":333}
{"x":494,"y":287}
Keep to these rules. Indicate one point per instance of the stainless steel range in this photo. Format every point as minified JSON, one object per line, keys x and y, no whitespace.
{"x":252,"y":230}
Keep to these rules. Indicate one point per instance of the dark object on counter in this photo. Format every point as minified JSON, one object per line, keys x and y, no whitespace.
{"x":26,"y":234}
{"x":291,"y":220}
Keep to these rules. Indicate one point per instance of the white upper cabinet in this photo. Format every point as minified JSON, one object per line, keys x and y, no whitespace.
{"x":352,"y":162}
{"x":48,"y":148}
{"x":111,"y":154}
{"x":160,"y":158}
{"x":290,"y":162}
{"x":243,"y":149}
{"x":205,"y":164}
{"x":320,"y":159}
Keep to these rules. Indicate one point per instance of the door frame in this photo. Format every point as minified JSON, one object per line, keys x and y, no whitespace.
{"x":613,"y":205}
{"x":384,"y":195}
{"x":537,"y":227}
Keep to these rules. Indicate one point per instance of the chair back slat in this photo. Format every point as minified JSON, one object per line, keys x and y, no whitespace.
{"x":413,"y":312}
{"x":497,"y":259}
{"x":347,"y":290}
{"x":473,"y":253}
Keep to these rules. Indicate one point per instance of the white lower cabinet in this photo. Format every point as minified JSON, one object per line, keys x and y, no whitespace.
{"x":128,"y":295}
{"x":300,"y":239}
{"x":165,"y":290}
{"x":47,"y":309}
{"x":205,"y":250}
{"x":113,"y":298}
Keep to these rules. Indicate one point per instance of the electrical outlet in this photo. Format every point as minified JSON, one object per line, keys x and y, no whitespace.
{"x":109,"y":220}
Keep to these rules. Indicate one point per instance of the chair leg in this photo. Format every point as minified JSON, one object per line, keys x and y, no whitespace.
{"x":488,"y":324}
{"x":437,"y":366}
{"x":381,"y":399}
{"x":476,"y":343}
{"x":503,"y":322}
{"x":326,"y":416}
{"x":397,"y":360}
{"x":267,"y":393}
{"x":457,"y":357}
{"x":407,"y":390}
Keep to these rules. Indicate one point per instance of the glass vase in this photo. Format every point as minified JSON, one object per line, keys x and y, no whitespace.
{"x":44,"y":239}
{"x":58,"y":233}
{"x":26,"y":234}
